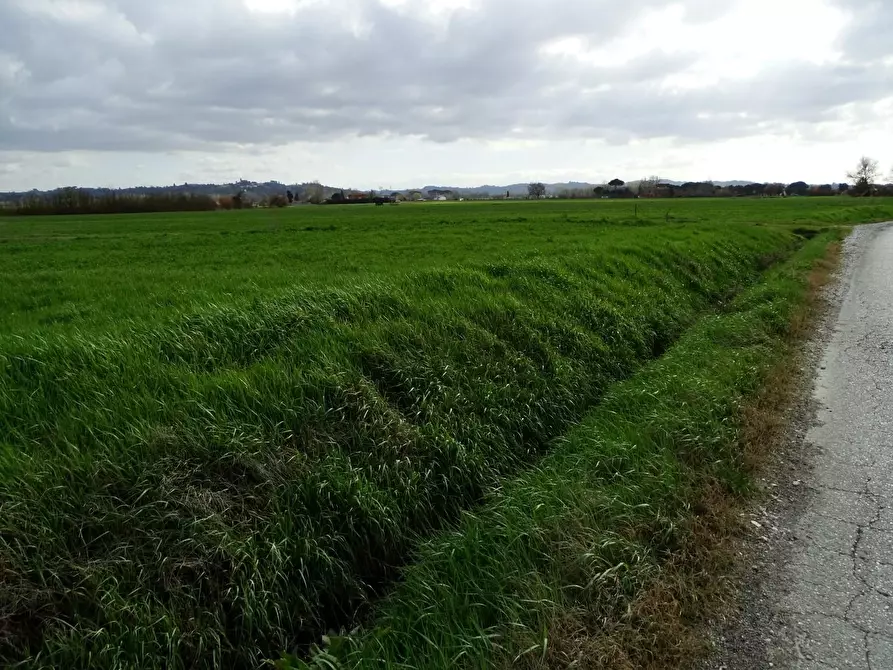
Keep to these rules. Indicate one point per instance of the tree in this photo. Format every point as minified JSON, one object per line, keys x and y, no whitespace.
{"x":290,"y":196}
{"x":822,"y":189}
{"x":648,"y":186}
{"x":798,"y":188}
{"x":616,"y":183}
{"x":313,"y":193}
{"x":864,"y":176}
{"x":697,"y":189}
{"x":536,"y":191}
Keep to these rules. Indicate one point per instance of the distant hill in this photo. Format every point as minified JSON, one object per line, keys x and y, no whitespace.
{"x":514,"y":190}
{"x":254,"y":190}
{"x":262,"y":190}
{"x":726,"y":184}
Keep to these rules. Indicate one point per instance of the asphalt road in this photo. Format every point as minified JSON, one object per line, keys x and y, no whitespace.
{"x":838,"y":581}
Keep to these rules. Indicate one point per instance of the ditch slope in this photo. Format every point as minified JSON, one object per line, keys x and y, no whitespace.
{"x":605,"y":554}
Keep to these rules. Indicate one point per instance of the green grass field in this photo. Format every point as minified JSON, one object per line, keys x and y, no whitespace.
{"x":103,"y":271}
{"x":224,"y":434}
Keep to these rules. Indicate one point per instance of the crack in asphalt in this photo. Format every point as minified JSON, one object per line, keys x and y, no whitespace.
{"x":825,"y":487}
{"x":854,"y":556}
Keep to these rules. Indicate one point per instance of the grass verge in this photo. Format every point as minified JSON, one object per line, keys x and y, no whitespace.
{"x":606,"y":554}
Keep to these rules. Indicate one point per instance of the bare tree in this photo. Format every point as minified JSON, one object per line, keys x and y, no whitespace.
{"x":536,"y":191}
{"x":313,"y":193}
{"x":648,"y":186}
{"x":864,"y":176}
{"x":774,"y":190}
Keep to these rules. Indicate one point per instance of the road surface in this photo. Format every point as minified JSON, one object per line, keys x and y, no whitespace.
{"x":839,"y":596}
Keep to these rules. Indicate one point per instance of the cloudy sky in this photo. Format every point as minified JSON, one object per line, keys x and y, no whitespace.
{"x":395,"y":93}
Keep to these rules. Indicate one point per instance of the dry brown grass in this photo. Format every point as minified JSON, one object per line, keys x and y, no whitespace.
{"x":664,"y":626}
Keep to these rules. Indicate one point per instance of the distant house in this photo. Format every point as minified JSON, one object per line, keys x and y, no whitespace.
{"x":438,"y":193}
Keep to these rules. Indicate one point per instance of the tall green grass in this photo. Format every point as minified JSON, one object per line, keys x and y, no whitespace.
{"x":558,"y":557}
{"x":218,"y":487}
{"x":102,"y":273}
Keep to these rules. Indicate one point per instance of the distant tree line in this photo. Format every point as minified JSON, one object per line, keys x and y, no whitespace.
{"x":863,"y":181}
{"x":706,"y":189}
{"x":710,"y":190}
{"x":83,"y":201}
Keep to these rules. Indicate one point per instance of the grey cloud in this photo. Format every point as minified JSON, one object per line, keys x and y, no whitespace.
{"x":173,"y":75}
{"x":869,"y":35}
